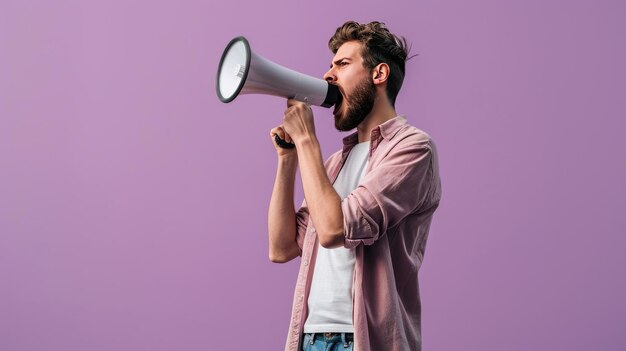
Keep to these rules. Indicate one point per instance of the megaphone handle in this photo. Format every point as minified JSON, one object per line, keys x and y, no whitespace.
{"x":282,"y":143}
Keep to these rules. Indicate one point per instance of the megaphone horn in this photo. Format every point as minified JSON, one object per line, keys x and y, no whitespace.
{"x":241,"y":71}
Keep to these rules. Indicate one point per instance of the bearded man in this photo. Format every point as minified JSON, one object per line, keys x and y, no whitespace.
{"x":362,"y":229}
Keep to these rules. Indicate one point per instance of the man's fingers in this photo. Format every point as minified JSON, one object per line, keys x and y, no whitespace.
{"x":293,"y":102}
{"x":273,"y":132}
{"x":281,"y":134}
{"x":287,"y":138}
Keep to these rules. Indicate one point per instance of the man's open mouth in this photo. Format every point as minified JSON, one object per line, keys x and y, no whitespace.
{"x":338,"y":103}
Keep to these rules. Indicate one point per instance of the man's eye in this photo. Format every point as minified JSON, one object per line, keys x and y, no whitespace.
{"x":343,"y":63}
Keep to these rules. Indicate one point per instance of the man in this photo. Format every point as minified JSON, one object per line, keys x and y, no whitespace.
{"x":362,"y":229}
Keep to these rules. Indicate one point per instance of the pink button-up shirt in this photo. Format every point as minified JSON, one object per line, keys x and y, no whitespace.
{"x":386,"y":220}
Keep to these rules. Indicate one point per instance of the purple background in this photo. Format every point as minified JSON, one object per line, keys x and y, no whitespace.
{"x":133,"y":203}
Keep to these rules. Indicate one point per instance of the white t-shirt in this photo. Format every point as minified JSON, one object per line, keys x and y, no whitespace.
{"x":330,"y":299}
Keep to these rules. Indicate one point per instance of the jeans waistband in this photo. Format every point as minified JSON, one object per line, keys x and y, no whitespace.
{"x":329,"y":336}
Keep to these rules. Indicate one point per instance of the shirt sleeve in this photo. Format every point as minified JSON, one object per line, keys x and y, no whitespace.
{"x":395,"y":188}
{"x":302,"y":220}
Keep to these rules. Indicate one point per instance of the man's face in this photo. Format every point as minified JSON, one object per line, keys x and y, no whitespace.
{"x":354,"y":81}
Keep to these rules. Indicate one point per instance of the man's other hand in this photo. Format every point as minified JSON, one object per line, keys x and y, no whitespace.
{"x":298,"y":121}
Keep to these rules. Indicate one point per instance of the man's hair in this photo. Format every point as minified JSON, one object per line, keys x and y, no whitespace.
{"x":379,"y":45}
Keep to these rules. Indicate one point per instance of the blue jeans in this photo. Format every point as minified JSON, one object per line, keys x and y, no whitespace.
{"x":319,"y":342}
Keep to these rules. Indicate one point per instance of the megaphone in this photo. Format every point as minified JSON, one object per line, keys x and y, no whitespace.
{"x":241,"y":71}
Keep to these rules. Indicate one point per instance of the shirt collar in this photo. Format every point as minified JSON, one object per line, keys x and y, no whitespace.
{"x":387,"y":130}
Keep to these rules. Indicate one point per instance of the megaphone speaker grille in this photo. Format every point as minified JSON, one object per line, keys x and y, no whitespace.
{"x":233,"y":69}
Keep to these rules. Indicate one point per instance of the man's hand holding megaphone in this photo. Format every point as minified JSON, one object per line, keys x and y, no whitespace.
{"x":298,"y":126}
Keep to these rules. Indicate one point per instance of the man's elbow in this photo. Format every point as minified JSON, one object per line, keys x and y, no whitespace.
{"x":277,"y":258}
{"x":284,"y":255}
{"x":331,"y":240}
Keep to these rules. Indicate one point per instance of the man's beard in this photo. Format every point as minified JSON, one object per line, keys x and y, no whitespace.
{"x":361,"y":104}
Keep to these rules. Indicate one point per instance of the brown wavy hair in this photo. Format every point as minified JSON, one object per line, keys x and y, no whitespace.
{"x":379,"y":45}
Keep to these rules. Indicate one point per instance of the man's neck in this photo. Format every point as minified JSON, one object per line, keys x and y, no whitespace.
{"x":381,"y":113}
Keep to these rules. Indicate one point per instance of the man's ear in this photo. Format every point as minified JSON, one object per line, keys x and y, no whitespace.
{"x":380,"y":73}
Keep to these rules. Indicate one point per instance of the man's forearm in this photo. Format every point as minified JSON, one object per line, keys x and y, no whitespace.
{"x":323,"y":201}
{"x":281,"y":214}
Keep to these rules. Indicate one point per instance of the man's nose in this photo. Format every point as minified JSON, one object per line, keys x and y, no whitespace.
{"x":330,"y":76}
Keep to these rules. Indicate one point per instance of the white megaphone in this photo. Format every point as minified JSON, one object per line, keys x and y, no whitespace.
{"x":241,"y":71}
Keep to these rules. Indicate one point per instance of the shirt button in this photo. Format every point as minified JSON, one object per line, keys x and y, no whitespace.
{"x":312,"y":230}
{"x":306,"y":263}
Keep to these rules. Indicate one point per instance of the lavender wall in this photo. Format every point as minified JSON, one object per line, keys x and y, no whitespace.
{"x":133,"y":203}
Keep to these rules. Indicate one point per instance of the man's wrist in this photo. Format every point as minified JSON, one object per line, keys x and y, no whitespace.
{"x":308,"y":141}
{"x":288,"y":159}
